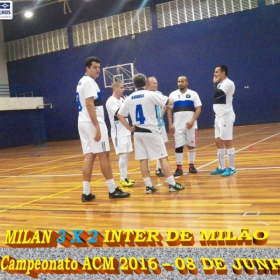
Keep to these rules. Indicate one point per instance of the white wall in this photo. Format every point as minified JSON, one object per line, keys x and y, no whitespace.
{"x":3,"y":62}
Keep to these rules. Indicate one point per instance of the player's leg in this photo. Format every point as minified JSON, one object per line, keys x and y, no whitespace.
{"x":141,"y":139}
{"x":158,"y":171}
{"x":173,"y":186}
{"x":123,"y":146}
{"x":220,"y":148}
{"x":191,"y":144}
{"x":102,"y":148}
{"x":179,"y":161}
{"x":156,"y":150}
{"x":227,"y":136}
{"x":85,"y":132}
{"x":180,"y":141}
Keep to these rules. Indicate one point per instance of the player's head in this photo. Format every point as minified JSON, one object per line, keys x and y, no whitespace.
{"x":182,"y":83}
{"x":92,"y":66}
{"x":152,"y":84}
{"x":118,"y":89}
{"x":221,"y":72}
{"x":139,"y":80}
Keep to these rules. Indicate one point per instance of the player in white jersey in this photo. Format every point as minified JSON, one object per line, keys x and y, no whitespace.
{"x":186,"y":110}
{"x":148,"y":143}
{"x":121,"y":137}
{"x":223,"y":91}
{"x":93,"y":131}
{"x":152,"y":85}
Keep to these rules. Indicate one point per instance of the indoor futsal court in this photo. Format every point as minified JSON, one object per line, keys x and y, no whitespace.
{"x":41,"y":188}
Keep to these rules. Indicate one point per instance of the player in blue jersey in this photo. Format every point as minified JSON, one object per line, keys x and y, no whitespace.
{"x":148,"y":143}
{"x":120,"y":136}
{"x":93,"y":131}
{"x":223,"y":91}
{"x":186,"y":109}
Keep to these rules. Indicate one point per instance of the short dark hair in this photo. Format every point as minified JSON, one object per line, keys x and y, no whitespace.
{"x":139,"y":80}
{"x":91,"y":59}
{"x":223,"y":68}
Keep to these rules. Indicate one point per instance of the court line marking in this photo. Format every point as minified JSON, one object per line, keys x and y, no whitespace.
{"x":263,"y":223}
{"x":207,"y":164}
{"x":40,"y":163}
{"x":44,"y":197}
{"x":140,"y":212}
{"x":116,"y":174}
{"x":26,"y":203}
{"x":55,"y":167}
{"x":79,"y":155}
{"x":251,"y":214}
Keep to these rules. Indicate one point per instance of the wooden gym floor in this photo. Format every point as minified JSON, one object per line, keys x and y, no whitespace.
{"x":40,"y":188}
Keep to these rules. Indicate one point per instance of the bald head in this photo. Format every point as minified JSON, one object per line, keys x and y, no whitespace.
{"x":152,"y":84}
{"x":182,"y":83}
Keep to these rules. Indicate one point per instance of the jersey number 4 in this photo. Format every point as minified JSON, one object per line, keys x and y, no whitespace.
{"x":139,"y":116}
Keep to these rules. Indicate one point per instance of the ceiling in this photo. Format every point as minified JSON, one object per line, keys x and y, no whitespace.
{"x":51,"y":15}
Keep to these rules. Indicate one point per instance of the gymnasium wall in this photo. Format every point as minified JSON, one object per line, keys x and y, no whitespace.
{"x":247,"y":42}
{"x":3,"y":67}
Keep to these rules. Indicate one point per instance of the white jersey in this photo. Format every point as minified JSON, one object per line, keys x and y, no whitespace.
{"x":184,"y":105}
{"x":141,"y":107}
{"x":117,"y":129}
{"x":86,"y":88}
{"x":224,"y":104}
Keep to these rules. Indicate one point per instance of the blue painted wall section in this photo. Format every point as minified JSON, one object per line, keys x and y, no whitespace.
{"x":247,"y":42}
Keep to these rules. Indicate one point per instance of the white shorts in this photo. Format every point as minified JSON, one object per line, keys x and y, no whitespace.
{"x":224,"y":126}
{"x":123,"y":144}
{"x":163,"y":133}
{"x":149,"y":145}
{"x":87,"y":133}
{"x":185,"y":137}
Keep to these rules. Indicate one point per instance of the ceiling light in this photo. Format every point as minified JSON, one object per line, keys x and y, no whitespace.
{"x":28,"y":14}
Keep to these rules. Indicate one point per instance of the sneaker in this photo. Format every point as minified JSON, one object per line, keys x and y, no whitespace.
{"x":118,"y":193}
{"x":151,"y":189}
{"x":159,"y":173}
{"x":192,"y":169}
{"x":126,"y":183}
{"x":178,"y":172}
{"x":218,"y":171}
{"x":176,"y":187}
{"x":87,"y":198}
{"x":229,"y":172}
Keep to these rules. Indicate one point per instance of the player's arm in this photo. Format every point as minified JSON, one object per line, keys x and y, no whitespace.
{"x":92,"y":114}
{"x":125,"y":123}
{"x":169,"y":117}
{"x":195,"y":117}
{"x":217,"y":92}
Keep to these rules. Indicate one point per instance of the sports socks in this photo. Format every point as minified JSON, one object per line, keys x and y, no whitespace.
{"x":170,"y":180}
{"x":147,"y":181}
{"x":158,"y":164}
{"x":221,"y":159}
{"x":111,"y":185}
{"x":231,"y":156}
{"x":123,"y":166}
{"x":86,"y":187}
{"x":179,"y":159}
{"x":191,"y":156}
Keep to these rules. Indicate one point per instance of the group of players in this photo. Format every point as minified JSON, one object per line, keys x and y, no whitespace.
{"x":146,"y":107}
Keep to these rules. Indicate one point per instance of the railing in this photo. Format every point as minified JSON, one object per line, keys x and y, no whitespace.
{"x":4,"y":91}
{"x":19,"y":90}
